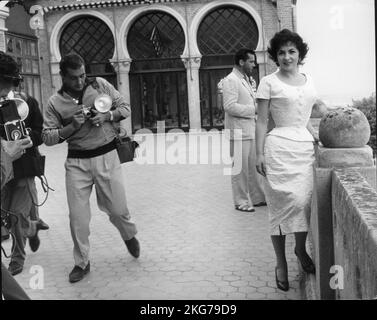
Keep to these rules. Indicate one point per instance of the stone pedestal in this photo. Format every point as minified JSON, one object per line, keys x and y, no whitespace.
{"x":344,"y":157}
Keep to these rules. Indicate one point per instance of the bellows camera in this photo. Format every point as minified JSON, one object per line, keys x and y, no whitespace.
{"x":13,"y":112}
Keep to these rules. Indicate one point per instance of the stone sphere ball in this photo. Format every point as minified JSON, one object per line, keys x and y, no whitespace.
{"x":344,"y":127}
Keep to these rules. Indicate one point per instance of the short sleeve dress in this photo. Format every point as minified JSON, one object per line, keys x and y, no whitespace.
{"x":289,"y":154}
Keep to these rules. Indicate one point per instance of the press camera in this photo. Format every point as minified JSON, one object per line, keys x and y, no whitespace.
{"x":13,"y":112}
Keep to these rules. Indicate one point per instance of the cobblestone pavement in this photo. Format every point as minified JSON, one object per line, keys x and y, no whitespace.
{"x":194,"y":245}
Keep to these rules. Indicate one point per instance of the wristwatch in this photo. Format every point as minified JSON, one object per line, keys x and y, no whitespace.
{"x":111,"y":116}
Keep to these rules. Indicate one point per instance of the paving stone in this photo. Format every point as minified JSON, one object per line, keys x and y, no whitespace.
{"x":266,"y":290}
{"x":256,"y":296}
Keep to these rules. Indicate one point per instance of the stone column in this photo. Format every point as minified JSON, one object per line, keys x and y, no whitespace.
{"x":263,"y":67}
{"x":192,"y":65}
{"x":55,"y":75}
{"x":4,"y":14}
{"x":122,"y":68}
{"x":321,"y":225}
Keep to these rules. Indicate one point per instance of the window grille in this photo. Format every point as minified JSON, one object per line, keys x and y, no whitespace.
{"x":25,"y":51}
{"x":158,"y":79}
{"x":226,"y":30}
{"x":221,"y":34}
{"x":92,"y":39}
{"x":155,"y":35}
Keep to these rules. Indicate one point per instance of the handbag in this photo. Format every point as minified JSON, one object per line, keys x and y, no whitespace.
{"x":126,"y":148}
{"x":29,"y":166}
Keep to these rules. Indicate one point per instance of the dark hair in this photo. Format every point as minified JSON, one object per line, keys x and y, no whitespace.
{"x":9,"y":70}
{"x":242,"y":54}
{"x":71,"y":61}
{"x":283,"y":37}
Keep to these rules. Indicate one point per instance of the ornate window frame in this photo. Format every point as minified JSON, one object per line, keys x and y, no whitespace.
{"x":202,"y":13}
{"x":134,"y":15}
{"x":67,"y":18}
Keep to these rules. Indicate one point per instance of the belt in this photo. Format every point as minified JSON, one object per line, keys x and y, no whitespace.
{"x":83,"y":154}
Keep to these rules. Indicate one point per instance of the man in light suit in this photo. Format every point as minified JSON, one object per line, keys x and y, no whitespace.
{"x":240,"y":111}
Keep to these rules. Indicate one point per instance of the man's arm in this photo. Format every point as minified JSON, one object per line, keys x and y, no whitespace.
{"x":53,"y":130}
{"x":230,"y":96}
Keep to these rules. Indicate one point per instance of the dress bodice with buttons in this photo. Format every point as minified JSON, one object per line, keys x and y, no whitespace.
{"x":290,"y":106}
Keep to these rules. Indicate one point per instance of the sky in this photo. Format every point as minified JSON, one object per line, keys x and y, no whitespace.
{"x":341,"y":39}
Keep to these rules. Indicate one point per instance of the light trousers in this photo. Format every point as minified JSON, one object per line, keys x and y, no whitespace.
{"x":247,"y":185}
{"x":105,"y":173}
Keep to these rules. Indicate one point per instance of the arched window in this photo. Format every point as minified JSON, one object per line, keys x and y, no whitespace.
{"x":92,"y":39}
{"x":221,"y":34}
{"x":157,"y":76}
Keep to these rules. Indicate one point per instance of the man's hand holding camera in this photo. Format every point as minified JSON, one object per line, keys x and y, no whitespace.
{"x":99,"y":118}
{"x":15,"y":149}
{"x":78,"y":120}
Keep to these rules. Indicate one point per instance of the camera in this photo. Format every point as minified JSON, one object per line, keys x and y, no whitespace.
{"x":15,"y":130}
{"x":87,"y":111}
{"x":13,"y":112}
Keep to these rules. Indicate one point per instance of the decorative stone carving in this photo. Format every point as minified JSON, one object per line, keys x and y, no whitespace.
{"x":193,"y":62}
{"x":344,"y":127}
{"x":37,"y":21}
{"x":122,"y":65}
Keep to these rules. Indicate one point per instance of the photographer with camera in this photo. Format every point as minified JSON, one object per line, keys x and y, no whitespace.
{"x":19,"y":195}
{"x":92,"y":156}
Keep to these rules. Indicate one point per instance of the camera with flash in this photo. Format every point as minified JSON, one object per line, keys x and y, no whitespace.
{"x":87,"y":111}
{"x":102,"y":104}
{"x":13,"y":112}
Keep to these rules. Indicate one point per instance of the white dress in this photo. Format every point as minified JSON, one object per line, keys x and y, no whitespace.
{"x":289,"y":154}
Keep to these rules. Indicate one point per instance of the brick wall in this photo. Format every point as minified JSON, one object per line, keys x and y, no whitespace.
{"x":284,"y":11}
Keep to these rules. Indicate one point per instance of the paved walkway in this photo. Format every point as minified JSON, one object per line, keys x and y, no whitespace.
{"x":194,"y":245}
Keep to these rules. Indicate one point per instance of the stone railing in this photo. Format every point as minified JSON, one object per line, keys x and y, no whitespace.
{"x":354,"y":204}
{"x":343,"y":234}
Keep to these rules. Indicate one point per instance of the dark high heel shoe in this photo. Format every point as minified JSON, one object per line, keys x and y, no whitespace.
{"x":282,"y":285}
{"x":308,"y":266}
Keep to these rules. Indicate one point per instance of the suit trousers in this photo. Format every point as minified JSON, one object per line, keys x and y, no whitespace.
{"x":19,"y":196}
{"x":105,"y":173}
{"x":247,"y":185}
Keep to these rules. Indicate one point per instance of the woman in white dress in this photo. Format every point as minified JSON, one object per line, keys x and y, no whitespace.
{"x":285,"y":155}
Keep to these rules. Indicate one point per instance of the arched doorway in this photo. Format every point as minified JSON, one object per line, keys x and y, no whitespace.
{"x":158,"y":84}
{"x":221,"y":33}
{"x":92,"y":39}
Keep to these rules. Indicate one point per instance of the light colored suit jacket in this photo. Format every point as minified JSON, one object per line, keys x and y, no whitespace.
{"x":239,"y":106}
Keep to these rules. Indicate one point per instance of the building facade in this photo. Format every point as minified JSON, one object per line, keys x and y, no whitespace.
{"x":165,"y":56}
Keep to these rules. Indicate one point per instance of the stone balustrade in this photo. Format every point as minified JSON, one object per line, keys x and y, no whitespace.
{"x":343,"y":233}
